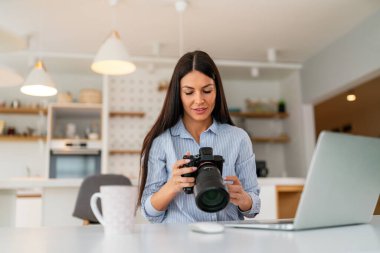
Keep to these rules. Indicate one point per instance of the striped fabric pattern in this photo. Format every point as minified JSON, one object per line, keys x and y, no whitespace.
{"x":231,"y":142}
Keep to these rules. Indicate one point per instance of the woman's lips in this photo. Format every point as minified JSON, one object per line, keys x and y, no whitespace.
{"x":200,"y":110}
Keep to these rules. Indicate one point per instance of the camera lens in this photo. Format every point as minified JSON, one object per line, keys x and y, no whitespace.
{"x":210,"y":192}
{"x":212,"y":198}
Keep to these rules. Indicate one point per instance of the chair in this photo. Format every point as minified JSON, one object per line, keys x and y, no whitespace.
{"x":89,"y":186}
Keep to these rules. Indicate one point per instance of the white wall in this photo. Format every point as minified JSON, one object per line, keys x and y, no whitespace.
{"x":295,"y":151}
{"x":347,"y":62}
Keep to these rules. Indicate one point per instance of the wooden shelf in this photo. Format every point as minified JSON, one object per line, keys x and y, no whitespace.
{"x":260,"y":115}
{"x":22,"y":110}
{"x":127,"y":114}
{"x":21,"y":138}
{"x":124,"y":152}
{"x":163,"y":86}
{"x":278,"y":139}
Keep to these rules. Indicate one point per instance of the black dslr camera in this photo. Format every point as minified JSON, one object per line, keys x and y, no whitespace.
{"x":211,"y":195}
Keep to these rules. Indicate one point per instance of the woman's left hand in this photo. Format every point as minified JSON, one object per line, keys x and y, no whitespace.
{"x":238,"y":196}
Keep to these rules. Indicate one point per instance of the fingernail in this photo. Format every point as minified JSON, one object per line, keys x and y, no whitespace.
{"x":228,"y":182}
{"x":195,"y":168}
{"x":187,"y":160}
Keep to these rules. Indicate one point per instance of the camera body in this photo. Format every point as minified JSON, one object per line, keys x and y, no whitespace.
{"x":202,"y":160}
{"x":211,"y":195}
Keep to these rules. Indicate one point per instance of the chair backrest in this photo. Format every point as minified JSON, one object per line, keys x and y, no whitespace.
{"x":89,"y":186}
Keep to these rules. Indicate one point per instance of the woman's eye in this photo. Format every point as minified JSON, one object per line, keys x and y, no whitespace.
{"x":207,"y":91}
{"x":188,"y":93}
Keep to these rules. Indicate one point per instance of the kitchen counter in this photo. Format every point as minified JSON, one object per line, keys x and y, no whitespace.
{"x":17,"y":183}
{"x":270,"y":181}
{"x":58,"y":198}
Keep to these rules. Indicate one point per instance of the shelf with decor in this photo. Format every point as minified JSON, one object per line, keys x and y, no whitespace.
{"x":13,"y":119}
{"x":260,"y":115}
{"x":126,"y":114}
{"x":124,"y":152}
{"x":21,"y":138}
{"x":23,"y":110}
{"x":277,"y":139}
{"x":263,"y":115}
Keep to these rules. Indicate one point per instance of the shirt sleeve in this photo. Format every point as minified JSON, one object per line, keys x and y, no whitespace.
{"x":157,"y":176}
{"x":246,"y":172}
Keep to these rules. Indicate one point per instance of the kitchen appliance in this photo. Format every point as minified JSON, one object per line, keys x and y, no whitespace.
{"x":74,"y":159}
{"x":261,"y":169}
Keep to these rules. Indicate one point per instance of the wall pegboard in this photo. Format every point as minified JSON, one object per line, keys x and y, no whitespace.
{"x":137,"y":92}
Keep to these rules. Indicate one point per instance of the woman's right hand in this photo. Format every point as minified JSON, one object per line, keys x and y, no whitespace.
{"x":177,"y":182}
{"x":161,"y":199}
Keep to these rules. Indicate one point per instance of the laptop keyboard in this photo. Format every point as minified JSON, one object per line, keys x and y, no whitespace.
{"x":279,"y":221}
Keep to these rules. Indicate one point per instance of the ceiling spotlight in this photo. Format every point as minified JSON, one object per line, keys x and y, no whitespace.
{"x":351,"y":97}
{"x":255,"y":72}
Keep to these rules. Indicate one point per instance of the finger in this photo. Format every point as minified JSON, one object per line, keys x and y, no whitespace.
{"x":186,"y":180}
{"x":188,"y":153}
{"x":234,"y":188}
{"x":186,"y":185}
{"x":235,"y":196}
{"x":234,"y":179}
{"x":185,"y":170}
{"x":180,"y":163}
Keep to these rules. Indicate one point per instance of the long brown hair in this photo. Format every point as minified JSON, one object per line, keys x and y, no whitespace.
{"x":172,"y":109}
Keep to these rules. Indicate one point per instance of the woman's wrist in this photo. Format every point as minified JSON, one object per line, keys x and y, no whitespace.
{"x":161,"y":199}
{"x":246,"y":204}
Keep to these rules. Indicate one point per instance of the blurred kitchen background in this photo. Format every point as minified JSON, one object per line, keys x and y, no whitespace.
{"x":290,"y":69}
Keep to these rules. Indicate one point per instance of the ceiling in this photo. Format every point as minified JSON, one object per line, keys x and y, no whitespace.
{"x":240,"y":30}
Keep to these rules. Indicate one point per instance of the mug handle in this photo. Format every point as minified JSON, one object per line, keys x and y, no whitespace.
{"x":94,"y":207}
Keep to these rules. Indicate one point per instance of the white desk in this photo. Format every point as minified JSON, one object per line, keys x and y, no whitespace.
{"x":161,"y":238}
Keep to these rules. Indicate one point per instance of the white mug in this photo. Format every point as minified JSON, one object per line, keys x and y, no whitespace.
{"x":118,"y":206}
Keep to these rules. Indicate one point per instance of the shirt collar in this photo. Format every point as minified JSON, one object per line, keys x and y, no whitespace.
{"x":180,"y":130}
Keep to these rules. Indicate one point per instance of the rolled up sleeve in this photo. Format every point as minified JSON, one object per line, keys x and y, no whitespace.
{"x":246,"y":172}
{"x":157,"y":176}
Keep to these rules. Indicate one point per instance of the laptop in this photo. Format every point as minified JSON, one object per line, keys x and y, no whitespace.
{"x":342,"y":185}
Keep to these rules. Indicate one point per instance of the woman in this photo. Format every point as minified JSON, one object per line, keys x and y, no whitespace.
{"x":195,"y":115}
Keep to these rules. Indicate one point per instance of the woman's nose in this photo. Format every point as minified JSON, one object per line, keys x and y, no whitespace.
{"x":199,"y":99}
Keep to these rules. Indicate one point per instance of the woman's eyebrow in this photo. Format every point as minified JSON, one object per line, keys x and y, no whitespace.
{"x":208,"y":85}
{"x":189,"y":87}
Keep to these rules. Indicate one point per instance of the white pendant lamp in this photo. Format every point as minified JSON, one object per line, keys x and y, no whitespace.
{"x":38,"y":82}
{"x":112,"y":58}
{"x":8,"y":77}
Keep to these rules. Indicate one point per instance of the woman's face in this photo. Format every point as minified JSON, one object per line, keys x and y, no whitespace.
{"x":198,"y":93}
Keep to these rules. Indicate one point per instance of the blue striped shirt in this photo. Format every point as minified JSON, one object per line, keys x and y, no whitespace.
{"x":231,"y":142}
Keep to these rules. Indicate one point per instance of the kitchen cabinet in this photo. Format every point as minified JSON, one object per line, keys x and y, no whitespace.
{"x":15,"y":117}
{"x":74,"y":121}
{"x":74,"y":140}
{"x":279,"y":197}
